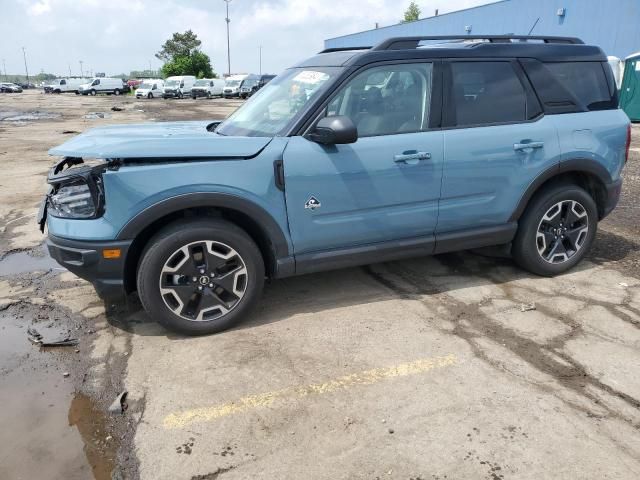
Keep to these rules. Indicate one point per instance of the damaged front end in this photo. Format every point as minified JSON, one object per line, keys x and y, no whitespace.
{"x":75,"y":190}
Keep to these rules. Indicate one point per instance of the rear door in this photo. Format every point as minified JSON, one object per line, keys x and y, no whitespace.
{"x":496,"y":141}
{"x":386,"y":185}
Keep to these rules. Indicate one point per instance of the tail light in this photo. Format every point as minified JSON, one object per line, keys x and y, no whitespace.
{"x":628,"y":145}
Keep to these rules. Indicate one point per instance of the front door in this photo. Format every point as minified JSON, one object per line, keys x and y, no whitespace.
{"x":385,"y":186}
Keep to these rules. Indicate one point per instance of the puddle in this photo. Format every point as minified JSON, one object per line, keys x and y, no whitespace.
{"x":95,"y":115}
{"x":46,"y":426}
{"x":22,"y":262}
{"x":20,"y":117}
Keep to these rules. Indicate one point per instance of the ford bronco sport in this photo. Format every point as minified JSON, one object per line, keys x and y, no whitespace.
{"x":416,"y":146}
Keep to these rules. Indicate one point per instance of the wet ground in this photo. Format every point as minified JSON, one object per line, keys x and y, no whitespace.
{"x":429,"y":368}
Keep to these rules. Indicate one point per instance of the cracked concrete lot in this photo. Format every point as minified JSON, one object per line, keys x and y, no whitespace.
{"x":456,"y":366}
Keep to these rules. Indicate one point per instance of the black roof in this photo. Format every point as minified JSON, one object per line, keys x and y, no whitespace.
{"x":546,"y":49}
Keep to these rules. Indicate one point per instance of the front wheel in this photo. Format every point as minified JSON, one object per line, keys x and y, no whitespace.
{"x":93,"y":92}
{"x":556,"y":231}
{"x":180,"y":95}
{"x":200,"y":276}
{"x":116,"y":91}
{"x":150,"y":95}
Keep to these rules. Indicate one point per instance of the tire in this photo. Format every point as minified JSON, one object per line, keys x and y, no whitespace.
{"x":149,"y":95}
{"x":92,"y":92}
{"x":208,"y":95}
{"x":116,"y":91}
{"x":180,"y":95}
{"x":165,"y":252}
{"x":556,"y":231}
{"x":193,"y":97}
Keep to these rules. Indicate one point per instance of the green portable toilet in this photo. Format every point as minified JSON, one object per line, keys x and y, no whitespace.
{"x":630,"y":90}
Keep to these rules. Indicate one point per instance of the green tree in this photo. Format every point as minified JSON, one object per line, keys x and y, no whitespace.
{"x":182,"y":56}
{"x":179,"y":45}
{"x":197,"y":64}
{"x":412,"y":13}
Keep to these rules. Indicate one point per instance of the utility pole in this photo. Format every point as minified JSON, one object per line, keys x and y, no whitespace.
{"x":24,"y":54}
{"x":228,"y":20}
{"x":260,"y":59}
{"x":69,"y":70}
{"x":81,"y":72}
{"x":4,"y":67}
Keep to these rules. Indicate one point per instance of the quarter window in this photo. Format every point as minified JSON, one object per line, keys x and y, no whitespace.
{"x":486,"y":93}
{"x":387,"y":100}
{"x":587,"y":82}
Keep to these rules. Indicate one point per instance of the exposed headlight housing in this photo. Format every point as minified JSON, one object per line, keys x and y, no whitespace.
{"x":73,"y":200}
{"x":76,"y":191}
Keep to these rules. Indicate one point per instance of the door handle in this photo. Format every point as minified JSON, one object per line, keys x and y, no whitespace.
{"x":411,"y":156}
{"x":525,"y":146}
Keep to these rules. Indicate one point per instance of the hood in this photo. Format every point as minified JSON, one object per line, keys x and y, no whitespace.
{"x":159,"y":140}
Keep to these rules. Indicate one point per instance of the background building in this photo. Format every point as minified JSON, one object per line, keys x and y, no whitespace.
{"x":613,"y":25}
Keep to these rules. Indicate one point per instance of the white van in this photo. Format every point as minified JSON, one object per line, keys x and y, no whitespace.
{"x":178,"y":86}
{"x":150,"y":88}
{"x":207,"y":87}
{"x":63,"y":85}
{"x":232,"y":85}
{"x":103,"y":85}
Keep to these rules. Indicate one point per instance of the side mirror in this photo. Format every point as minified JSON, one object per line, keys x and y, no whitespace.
{"x":335,"y":130}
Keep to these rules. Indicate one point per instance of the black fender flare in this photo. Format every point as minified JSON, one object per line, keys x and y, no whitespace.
{"x":208,"y":199}
{"x":578,"y":165}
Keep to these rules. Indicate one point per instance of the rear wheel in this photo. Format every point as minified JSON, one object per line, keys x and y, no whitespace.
{"x":92,"y":92}
{"x":200,"y":276}
{"x":116,"y":91}
{"x":149,"y":95}
{"x":556,"y":231}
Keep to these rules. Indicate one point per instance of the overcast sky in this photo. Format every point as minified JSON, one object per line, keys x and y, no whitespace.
{"x":117,"y":36}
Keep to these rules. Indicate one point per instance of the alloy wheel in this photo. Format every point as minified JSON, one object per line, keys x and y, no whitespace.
{"x":562,"y":231}
{"x":203,"y":280}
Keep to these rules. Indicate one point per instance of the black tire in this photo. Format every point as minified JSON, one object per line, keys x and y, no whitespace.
{"x":149,"y":95}
{"x":116,"y":91}
{"x":163,"y":247}
{"x":193,"y":97}
{"x":92,"y":92}
{"x":208,"y":95}
{"x":180,"y":95}
{"x":526,"y":244}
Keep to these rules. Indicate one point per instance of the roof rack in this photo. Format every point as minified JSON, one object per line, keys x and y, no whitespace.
{"x":408,"y":43}
{"x":343,"y":49}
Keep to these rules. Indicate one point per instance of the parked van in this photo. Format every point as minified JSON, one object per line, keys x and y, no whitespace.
{"x":150,"y":88}
{"x":103,"y":85}
{"x":232,"y":85}
{"x":179,"y":86}
{"x":207,"y":87}
{"x":253,"y":83}
{"x":64,"y":85}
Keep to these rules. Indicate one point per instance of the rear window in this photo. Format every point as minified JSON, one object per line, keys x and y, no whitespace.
{"x":487,"y":93}
{"x":587,"y":81}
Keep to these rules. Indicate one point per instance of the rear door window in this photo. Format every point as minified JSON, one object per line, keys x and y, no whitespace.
{"x":484,"y":93}
{"x":587,"y":81}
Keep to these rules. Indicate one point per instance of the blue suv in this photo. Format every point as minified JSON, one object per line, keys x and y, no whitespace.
{"x":417,"y":146}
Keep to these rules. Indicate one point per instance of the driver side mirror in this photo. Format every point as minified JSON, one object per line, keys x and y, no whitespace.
{"x":335,"y":130}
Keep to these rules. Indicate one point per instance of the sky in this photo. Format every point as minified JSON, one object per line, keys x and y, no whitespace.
{"x":117,"y":36}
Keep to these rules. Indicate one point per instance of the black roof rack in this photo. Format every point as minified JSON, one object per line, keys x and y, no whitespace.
{"x":343,"y":49}
{"x":408,"y":43}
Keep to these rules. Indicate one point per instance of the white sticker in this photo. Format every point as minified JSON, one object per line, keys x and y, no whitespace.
{"x":310,"y":76}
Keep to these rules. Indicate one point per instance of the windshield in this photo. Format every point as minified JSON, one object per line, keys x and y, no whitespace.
{"x":201,"y":83}
{"x":276,"y":105}
{"x":146,"y":85}
{"x":172,"y":83}
{"x":250,"y":82}
{"x":232,"y":83}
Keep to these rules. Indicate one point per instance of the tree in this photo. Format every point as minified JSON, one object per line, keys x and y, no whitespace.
{"x":182,"y":56}
{"x":180,"y":45}
{"x":412,"y":13}
{"x":197,"y":64}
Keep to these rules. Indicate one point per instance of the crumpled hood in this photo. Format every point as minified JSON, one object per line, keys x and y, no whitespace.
{"x":159,"y":140}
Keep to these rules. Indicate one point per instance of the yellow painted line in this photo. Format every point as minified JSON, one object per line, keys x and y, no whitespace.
{"x":367,"y":377}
